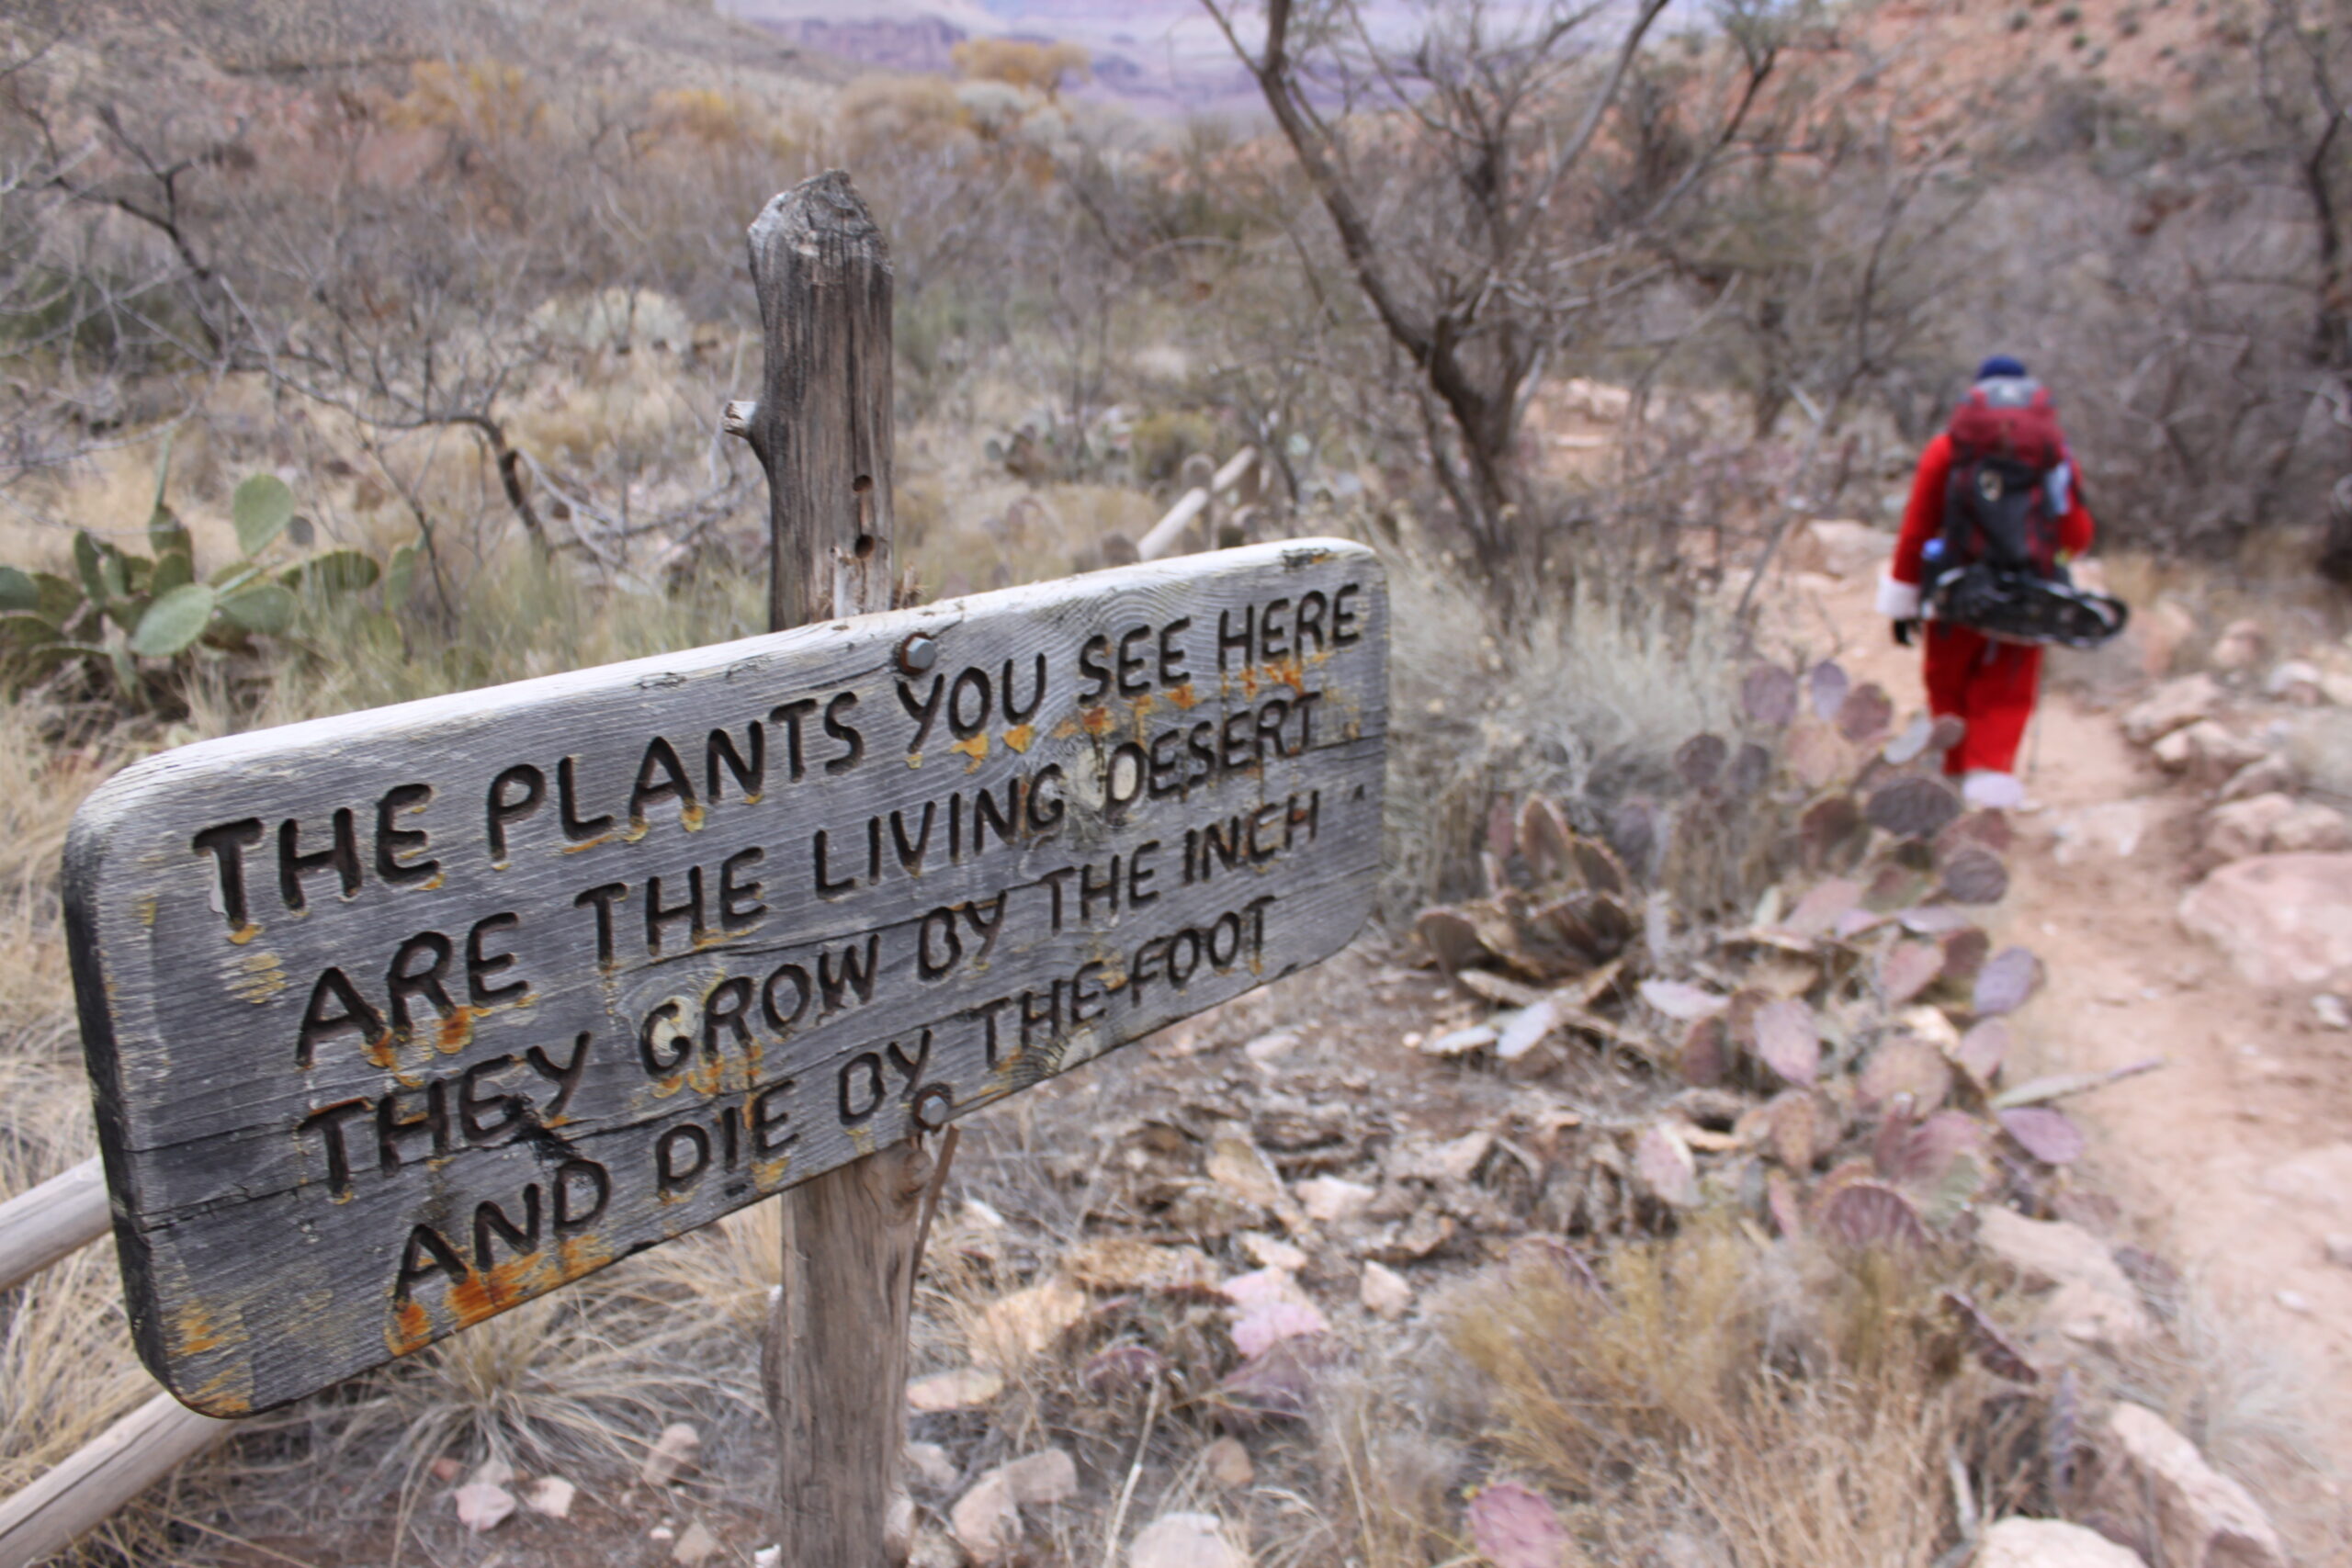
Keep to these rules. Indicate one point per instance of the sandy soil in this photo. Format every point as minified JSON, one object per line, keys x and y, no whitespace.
{"x":2235,"y":1159}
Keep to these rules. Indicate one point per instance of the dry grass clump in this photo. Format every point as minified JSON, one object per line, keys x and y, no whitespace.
{"x":730,"y":1269}
{"x":1787,"y":1409}
{"x":1584,"y":698}
{"x":999,"y":534}
{"x":66,"y":1366}
{"x":40,"y":787}
{"x":519,"y":619}
{"x":584,"y":1376}
{"x":65,"y":1358}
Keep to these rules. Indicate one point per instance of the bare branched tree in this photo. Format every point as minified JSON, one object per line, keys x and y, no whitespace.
{"x":105,"y":303}
{"x":1461,"y":169}
{"x":1828,"y":247}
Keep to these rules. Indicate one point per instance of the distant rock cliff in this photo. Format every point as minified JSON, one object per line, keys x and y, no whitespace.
{"x":913,"y":43}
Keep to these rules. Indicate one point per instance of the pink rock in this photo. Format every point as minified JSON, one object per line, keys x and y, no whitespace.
{"x":2208,"y":753}
{"x":2240,"y":646}
{"x":2171,"y":706}
{"x":2272,"y":774}
{"x":1262,"y":1327}
{"x":2296,"y":682}
{"x":551,"y":1495}
{"x":673,"y":1453}
{"x":1228,"y":1465}
{"x":2284,"y":920}
{"x":1334,"y":1200}
{"x":984,"y":1519}
{"x":2154,"y":1477}
{"x":2050,"y":1544}
{"x":1384,"y":1291}
{"x":2094,"y":1301}
{"x":2244,"y":828}
{"x":2309,"y":829}
{"x":1049,"y":1475}
{"x":1185,"y":1541}
{"x":482,"y":1507}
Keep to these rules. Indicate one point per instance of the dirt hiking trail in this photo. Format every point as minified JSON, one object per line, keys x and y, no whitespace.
{"x":2234,"y":1161}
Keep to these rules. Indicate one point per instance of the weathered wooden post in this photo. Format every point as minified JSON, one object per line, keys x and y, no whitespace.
{"x":835,"y":1360}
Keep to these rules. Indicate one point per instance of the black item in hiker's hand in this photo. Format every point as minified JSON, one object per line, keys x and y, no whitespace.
{"x":2014,"y":606}
{"x":1995,"y":565}
{"x":1903,"y":630}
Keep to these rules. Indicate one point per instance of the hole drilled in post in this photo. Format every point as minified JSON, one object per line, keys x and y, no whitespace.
{"x":862,"y":487}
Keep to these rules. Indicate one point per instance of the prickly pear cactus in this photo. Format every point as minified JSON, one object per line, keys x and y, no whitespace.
{"x":137,"y":616}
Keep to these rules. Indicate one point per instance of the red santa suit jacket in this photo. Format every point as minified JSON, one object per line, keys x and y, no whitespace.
{"x":1923,"y":519}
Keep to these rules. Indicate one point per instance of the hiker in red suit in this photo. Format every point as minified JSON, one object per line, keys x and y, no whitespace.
{"x":2003,"y":432}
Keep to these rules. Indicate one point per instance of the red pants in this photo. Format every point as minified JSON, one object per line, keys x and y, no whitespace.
{"x":1988,"y":684}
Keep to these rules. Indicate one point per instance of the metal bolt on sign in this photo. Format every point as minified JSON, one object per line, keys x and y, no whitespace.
{"x":918,"y":654}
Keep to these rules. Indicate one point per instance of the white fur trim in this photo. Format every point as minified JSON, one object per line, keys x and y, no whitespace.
{"x":1898,"y":600}
{"x":1982,"y":787}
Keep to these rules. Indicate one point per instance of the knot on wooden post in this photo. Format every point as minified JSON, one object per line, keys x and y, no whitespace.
{"x":821,"y":427}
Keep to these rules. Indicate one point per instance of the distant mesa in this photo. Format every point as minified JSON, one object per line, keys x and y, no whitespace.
{"x":1120,"y":73}
{"x":1158,"y":57}
{"x":915,"y":43}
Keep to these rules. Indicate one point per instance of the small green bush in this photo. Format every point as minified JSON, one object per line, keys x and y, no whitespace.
{"x":125,"y":613}
{"x":1160,"y":442}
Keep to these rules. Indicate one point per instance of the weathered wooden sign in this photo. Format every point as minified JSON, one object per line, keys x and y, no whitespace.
{"x":398,"y":1020}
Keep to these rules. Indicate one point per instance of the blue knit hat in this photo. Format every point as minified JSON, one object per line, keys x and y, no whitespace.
{"x":2000,"y":364}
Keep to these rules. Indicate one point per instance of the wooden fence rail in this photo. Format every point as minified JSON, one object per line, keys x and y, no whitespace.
{"x":38,"y":1228}
{"x":52,"y":1221}
{"x":1240,"y":479}
{"x":123,"y":1461}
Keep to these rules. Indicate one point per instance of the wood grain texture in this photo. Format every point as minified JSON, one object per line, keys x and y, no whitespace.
{"x":835,"y":1359}
{"x":580,"y":1016}
{"x":822,"y":428}
{"x":835,"y":1350}
{"x":61,"y":1215}
{"x":124,"y":1461}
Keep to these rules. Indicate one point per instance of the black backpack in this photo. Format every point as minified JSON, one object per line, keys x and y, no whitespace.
{"x":1994,"y":567}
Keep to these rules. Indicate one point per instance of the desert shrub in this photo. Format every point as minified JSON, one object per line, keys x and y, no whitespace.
{"x":1792,"y":1413}
{"x":478,"y":97}
{"x":1160,"y":441}
{"x":1031,"y":66}
{"x":1585,"y":700}
{"x":908,"y":112}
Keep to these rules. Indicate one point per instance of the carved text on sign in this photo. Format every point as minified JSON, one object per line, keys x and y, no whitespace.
{"x":400,"y":1020}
